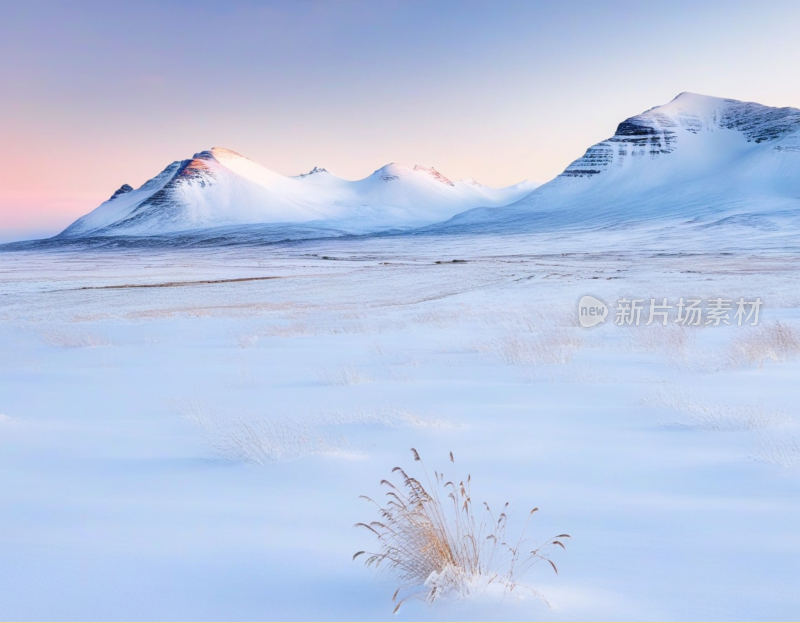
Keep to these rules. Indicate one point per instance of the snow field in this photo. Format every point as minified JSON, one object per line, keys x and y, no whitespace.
{"x":197,"y":451}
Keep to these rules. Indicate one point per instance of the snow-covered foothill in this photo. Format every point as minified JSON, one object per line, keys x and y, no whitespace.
{"x":219,"y":187}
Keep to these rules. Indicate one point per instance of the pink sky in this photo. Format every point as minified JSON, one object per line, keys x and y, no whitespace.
{"x":100,"y":95}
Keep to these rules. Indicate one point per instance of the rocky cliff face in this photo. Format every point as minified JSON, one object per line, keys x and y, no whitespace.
{"x":696,"y":163}
{"x":661,"y":130}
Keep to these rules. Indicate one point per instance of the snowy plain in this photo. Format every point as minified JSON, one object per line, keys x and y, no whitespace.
{"x":672,"y":456}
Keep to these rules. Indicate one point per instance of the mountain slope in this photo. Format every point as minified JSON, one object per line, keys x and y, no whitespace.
{"x":222,"y":188}
{"x":698,"y":159}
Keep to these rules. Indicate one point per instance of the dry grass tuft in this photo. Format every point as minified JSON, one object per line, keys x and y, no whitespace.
{"x":389,"y":417}
{"x":297,"y":329}
{"x":716,"y":417}
{"x":437,"y":545}
{"x":248,"y":340}
{"x":342,"y":375}
{"x":247,"y":438}
{"x":673,"y":341}
{"x":772,"y":342}
{"x":554,"y":347}
{"x":68,"y":337}
{"x":244,"y":437}
{"x":780,"y":448}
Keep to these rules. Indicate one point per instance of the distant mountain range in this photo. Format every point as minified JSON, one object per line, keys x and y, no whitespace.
{"x":220,"y":188}
{"x":697,"y":162}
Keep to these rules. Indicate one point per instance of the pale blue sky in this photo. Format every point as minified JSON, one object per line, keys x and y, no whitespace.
{"x":95,"y":94}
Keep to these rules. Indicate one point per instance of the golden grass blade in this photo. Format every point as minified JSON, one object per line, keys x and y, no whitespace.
{"x":436,"y":547}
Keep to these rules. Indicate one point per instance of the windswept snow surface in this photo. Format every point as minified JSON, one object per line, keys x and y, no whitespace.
{"x":188,"y":430}
{"x":697,"y":161}
{"x":222,"y":188}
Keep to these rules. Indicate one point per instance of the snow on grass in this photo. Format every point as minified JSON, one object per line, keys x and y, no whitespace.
{"x":674,"y":342}
{"x":242,"y":436}
{"x":775,"y":342}
{"x":778,"y":447}
{"x":771,"y":434}
{"x":436,"y":544}
{"x":74,"y":337}
{"x":718,"y":417}
{"x":245,"y":437}
{"x":553,"y":347}
{"x":342,"y":375}
{"x":556,"y":346}
{"x":389,"y":417}
{"x":248,"y":340}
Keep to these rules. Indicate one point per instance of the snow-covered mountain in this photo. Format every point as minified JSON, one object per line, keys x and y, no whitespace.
{"x":698,"y":163}
{"x":219,"y":188}
{"x":698,"y":160}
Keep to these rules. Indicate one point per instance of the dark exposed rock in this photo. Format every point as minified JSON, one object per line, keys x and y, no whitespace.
{"x":655,"y":132}
{"x":760,"y":123}
{"x":125,"y":188}
{"x":313,"y":171}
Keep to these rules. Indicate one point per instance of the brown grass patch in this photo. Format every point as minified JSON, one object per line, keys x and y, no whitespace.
{"x":432,"y":539}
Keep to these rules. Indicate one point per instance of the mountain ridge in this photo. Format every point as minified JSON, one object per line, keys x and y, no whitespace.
{"x":220,"y":187}
{"x":697,"y":158}
{"x":697,"y":161}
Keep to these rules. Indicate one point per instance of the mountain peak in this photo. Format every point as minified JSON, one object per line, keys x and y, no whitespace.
{"x":125,"y":188}
{"x":219,"y":187}
{"x":434,"y":174}
{"x":196,"y":168}
{"x":663,"y":129}
{"x":394,"y":171}
{"x":391,"y":172}
{"x":691,"y":97}
{"x":314,"y":171}
{"x":222,"y":152}
{"x":687,"y":103}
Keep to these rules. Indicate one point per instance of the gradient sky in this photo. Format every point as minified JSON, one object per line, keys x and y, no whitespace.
{"x":97,"y":94}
